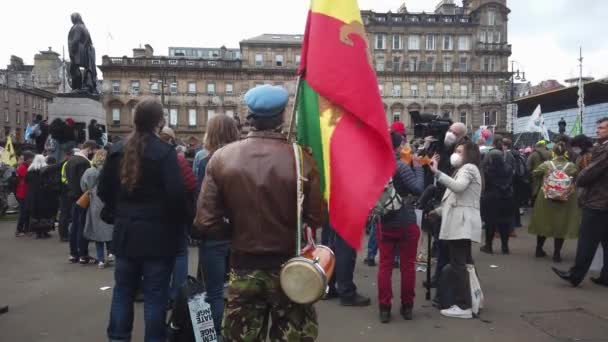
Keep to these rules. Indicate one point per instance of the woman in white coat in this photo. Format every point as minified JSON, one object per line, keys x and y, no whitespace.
{"x":460,"y":220}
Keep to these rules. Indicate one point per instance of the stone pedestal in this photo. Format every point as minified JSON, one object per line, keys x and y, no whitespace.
{"x":81,"y":108}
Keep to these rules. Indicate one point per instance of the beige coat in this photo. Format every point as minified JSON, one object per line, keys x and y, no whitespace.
{"x":460,"y":207}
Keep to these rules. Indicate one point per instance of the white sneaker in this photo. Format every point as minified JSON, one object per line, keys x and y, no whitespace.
{"x":110,"y":258}
{"x":457,"y":312}
{"x":101,"y":265}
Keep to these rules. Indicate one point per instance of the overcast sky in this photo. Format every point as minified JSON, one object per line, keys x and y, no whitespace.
{"x":545,"y":34}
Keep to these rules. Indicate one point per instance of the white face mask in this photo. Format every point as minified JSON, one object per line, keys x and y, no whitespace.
{"x":456,"y":160}
{"x":450,"y":139}
{"x":577,"y":150}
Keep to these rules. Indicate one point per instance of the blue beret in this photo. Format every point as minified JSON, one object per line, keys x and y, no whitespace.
{"x":266,"y":100}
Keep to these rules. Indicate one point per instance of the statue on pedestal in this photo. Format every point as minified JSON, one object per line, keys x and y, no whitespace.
{"x":82,"y":55}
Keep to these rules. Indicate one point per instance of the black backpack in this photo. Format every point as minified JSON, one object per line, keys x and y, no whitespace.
{"x":521,"y":170}
{"x":499,"y":173}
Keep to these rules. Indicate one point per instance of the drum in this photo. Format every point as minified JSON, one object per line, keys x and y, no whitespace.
{"x":304,"y":278}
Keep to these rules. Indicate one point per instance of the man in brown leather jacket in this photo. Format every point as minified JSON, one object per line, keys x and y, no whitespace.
{"x":593,"y":180}
{"x":249,"y":195}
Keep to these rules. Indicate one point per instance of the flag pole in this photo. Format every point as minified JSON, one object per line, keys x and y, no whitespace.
{"x":294,"y":109}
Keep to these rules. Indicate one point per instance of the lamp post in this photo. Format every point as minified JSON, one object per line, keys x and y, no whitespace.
{"x":164,"y":79}
{"x":518,"y":75}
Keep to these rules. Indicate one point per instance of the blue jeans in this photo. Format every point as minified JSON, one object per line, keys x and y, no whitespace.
{"x":180,"y":267}
{"x":212,"y":257}
{"x":346,"y":257}
{"x":372,"y":243}
{"x":79,"y":246}
{"x":128,"y":274}
{"x":101,"y":255}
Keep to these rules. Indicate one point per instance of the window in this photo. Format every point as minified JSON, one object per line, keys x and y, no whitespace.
{"x":397,"y":90}
{"x":430,"y":42}
{"x":397,"y":42}
{"x":173,"y":88}
{"x":210,"y":114}
{"x":448,"y":43}
{"x":490,"y":118}
{"x":396,"y":116}
{"x":298,"y":59}
{"x":26,"y":99}
{"x":229,"y":88}
{"x":18,"y":117}
{"x":497,"y":37}
{"x":116,"y":116}
{"x":447,"y":90}
{"x":115,"y":87}
{"x":380,"y":41}
{"x":414,"y":90}
{"x":18,"y":98}
{"x":191,"y":117}
{"x":259,"y":59}
{"x":430,"y":63}
{"x":430,"y":90}
{"x":447,"y":64}
{"x":135,"y":88}
{"x":396,"y":63}
{"x":381,"y":89}
{"x":6,"y":96}
{"x":230,"y":113}
{"x":278,"y":59}
{"x":380,"y":63}
{"x":154,"y":89}
{"x":173,"y":117}
{"x":491,"y":18}
{"x":413,"y":42}
{"x":489,"y":64}
{"x":482,"y":36}
{"x":210,"y":88}
{"x":6,"y":116}
{"x":463,"y":118}
{"x":464,"y":64}
{"x":413,"y":63}
{"x":192,"y":87}
{"x":464,"y":91}
{"x":464,"y":43}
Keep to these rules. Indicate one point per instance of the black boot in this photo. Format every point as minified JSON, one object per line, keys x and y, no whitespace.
{"x":557,"y":250}
{"x":540,"y":242}
{"x":407,"y":312}
{"x":504,"y":240}
{"x":385,"y":314}
{"x":490,"y":231}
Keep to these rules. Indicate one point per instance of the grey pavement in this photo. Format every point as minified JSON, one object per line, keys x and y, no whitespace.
{"x":52,"y":300}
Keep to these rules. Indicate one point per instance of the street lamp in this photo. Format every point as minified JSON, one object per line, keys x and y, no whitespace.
{"x":518,"y":75}
{"x":163,"y":79}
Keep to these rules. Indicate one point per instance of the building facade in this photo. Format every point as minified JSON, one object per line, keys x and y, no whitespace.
{"x":18,"y":107}
{"x":452,"y":62}
{"x":197,"y":83}
{"x":47,"y":73}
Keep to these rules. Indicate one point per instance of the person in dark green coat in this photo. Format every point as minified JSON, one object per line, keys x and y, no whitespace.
{"x":540,"y":155}
{"x":554,"y":219}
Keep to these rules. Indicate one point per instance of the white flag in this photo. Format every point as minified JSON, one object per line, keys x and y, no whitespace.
{"x":536,"y":123}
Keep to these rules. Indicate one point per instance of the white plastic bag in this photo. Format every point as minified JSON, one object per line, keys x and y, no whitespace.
{"x":202,"y":320}
{"x":477,"y":298}
{"x":598,"y":260}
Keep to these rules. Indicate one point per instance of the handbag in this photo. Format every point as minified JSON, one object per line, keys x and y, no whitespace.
{"x":84,"y":201}
{"x":477,"y":298}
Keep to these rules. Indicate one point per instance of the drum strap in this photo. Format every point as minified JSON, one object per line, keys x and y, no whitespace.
{"x":297,"y":150}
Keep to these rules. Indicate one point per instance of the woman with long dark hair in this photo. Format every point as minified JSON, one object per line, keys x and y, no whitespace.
{"x":461,"y":220}
{"x":143,"y":194}
{"x":213,"y":252}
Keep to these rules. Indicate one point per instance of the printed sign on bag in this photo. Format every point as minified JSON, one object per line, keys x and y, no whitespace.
{"x":202,"y":320}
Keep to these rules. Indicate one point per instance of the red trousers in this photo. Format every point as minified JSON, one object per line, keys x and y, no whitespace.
{"x":405,"y":240}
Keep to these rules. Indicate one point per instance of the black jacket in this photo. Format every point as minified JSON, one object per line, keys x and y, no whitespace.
{"x":149,"y":220}
{"x":73,"y":172}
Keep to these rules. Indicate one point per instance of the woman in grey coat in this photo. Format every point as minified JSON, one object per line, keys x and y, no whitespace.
{"x":95,"y":229}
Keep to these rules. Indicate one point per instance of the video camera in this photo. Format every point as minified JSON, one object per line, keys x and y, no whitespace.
{"x":430,"y":125}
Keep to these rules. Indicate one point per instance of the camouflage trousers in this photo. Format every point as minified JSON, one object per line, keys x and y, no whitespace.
{"x":254,"y":296}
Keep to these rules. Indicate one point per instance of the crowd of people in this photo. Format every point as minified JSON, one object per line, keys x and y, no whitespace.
{"x":141,"y":200}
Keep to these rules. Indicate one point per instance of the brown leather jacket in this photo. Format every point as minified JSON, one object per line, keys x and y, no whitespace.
{"x":252,"y":184}
{"x":594,"y":180}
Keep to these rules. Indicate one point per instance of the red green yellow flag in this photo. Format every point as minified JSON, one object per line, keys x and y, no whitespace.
{"x":341,"y":115}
